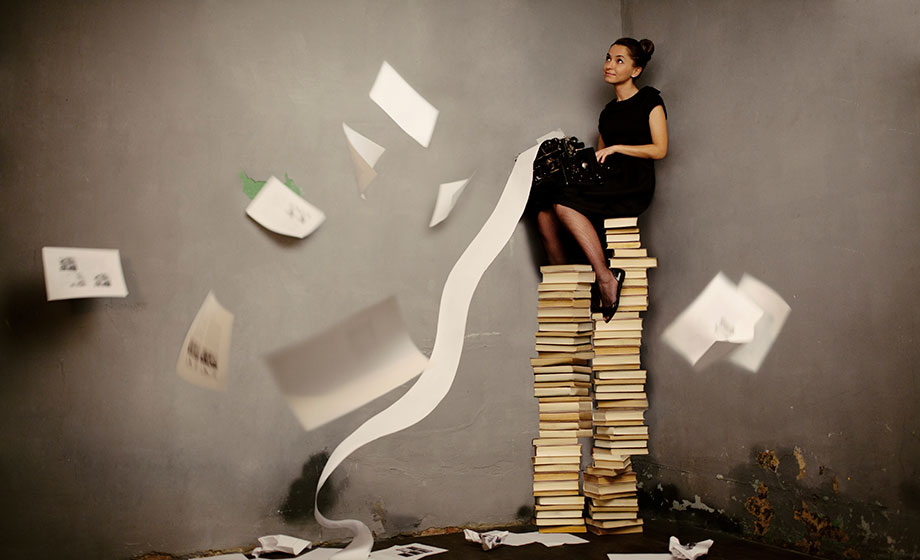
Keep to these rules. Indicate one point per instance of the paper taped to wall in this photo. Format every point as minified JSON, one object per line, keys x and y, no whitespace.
{"x":347,"y":365}
{"x":412,"y":112}
{"x":364,"y":156}
{"x":438,"y":376}
{"x":205,"y":353}
{"x":448,"y":194}
{"x":72,"y":273}
{"x":278,"y":209}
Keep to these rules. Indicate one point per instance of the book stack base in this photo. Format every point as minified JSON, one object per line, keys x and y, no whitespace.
{"x":562,"y":380}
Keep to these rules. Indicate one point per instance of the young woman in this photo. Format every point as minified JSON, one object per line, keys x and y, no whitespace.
{"x":633,"y":133}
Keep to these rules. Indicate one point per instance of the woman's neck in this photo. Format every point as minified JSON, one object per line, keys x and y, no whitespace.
{"x":625,"y":90}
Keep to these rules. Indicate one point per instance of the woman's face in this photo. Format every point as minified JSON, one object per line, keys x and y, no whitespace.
{"x":619,"y":67}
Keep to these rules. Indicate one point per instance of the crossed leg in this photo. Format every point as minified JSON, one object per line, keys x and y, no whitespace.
{"x":550,"y":222}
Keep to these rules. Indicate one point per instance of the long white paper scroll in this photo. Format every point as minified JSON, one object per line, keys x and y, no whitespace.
{"x":435,"y":381}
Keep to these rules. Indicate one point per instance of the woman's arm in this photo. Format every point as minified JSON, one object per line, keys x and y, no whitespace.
{"x":600,"y":143}
{"x":658,"y":125}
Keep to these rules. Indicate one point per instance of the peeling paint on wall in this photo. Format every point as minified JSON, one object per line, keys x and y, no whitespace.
{"x":759,"y":507}
{"x":695,"y":504}
{"x":768,"y":460}
{"x":801,"y":460}
{"x":818,"y":527}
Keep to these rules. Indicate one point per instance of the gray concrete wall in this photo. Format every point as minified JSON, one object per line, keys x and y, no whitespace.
{"x":795,"y":129}
{"x":126,"y":125}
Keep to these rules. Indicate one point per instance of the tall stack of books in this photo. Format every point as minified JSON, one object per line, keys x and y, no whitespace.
{"x":562,"y":380}
{"x":619,"y":391}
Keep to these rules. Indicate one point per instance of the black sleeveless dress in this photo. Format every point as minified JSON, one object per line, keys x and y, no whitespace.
{"x":630,"y":181}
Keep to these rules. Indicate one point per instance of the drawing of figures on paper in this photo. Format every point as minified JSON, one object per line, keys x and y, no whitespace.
{"x":82,"y":273}
{"x":279,"y":210}
{"x":204,"y":354}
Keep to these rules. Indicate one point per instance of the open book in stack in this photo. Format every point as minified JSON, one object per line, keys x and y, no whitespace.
{"x":562,"y":380}
{"x":619,"y":391}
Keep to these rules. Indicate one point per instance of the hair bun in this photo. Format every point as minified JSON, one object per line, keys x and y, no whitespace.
{"x":648,"y":46}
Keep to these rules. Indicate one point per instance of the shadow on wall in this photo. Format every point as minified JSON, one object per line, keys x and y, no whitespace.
{"x":772,"y":503}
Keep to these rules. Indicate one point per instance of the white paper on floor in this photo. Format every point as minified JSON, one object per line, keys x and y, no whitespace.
{"x":751,"y":355}
{"x":234,"y":556}
{"x":279,"y":209}
{"x":689,"y":551}
{"x":492,"y":539}
{"x":412,"y":112}
{"x":347,"y":365}
{"x":414,"y":550}
{"x":319,"y":554}
{"x":448,"y":194}
{"x":205,"y":353}
{"x":72,"y":273}
{"x":435,"y":381}
{"x":719,"y":320}
{"x":364,"y":156}
{"x":280,"y":543}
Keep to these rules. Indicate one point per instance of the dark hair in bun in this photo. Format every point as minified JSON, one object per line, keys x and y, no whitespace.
{"x":639,"y":51}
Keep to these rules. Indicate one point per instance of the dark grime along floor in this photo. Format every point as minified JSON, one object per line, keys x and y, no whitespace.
{"x":654,"y":539}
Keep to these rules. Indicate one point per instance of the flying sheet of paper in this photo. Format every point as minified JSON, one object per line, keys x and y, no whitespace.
{"x":72,"y":273}
{"x":412,"y":112}
{"x":690,"y":551}
{"x":751,"y":355}
{"x":279,"y":210}
{"x":399,"y":552}
{"x":364,"y":156}
{"x":717,"y":321}
{"x":348,"y":365}
{"x":205,"y":353}
{"x":280,"y":543}
{"x":448,"y":194}
{"x":435,"y":381}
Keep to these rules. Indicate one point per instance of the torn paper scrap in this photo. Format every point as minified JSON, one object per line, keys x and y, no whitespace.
{"x":488,"y":540}
{"x":717,"y":321}
{"x":400,"y":552}
{"x":546,"y":539}
{"x":364,"y":156}
{"x":278,"y":209}
{"x":348,"y":365}
{"x":438,"y":376}
{"x":640,"y":556}
{"x":448,"y":194}
{"x":72,"y":273}
{"x":205,"y":353}
{"x":404,"y":105}
{"x":280,"y":543}
{"x":690,"y":551}
{"x":251,"y":187}
{"x":751,"y":355}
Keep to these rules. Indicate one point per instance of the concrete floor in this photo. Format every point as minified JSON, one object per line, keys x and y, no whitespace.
{"x":653,"y":540}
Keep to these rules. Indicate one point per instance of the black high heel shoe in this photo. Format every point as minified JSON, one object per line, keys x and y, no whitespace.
{"x":608,"y":312}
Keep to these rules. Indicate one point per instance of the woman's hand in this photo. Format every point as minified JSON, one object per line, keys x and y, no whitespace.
{"x":604,"y":152}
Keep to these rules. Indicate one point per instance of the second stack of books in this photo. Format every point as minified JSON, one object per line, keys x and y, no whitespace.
{"x":562,"y":380}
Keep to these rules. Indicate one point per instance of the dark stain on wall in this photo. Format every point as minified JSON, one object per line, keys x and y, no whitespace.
{"x":818,"y":528}
{"x":298,"y":505}
{"x":524,"y":513}
{"x":768,"y":460}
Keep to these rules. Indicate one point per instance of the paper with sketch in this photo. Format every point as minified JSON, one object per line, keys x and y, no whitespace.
{"x":434,"y":383}
{"x":399,"y":552}
{"x":448,"y":194}
{"x":72,"y":273}
{"x":412,"y":112}
{"x":278,"y":209}
{"x":347,"y":365}
{"x":205,"y":353}
{"x":717,"y":321}
{"x":690,"y":551}
{"x":280,"y":543}
{"x":364,"y":156}
{"x":751,"y":355}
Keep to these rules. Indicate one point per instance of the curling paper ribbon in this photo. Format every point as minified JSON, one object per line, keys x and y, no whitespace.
{"x":435,"y":381}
